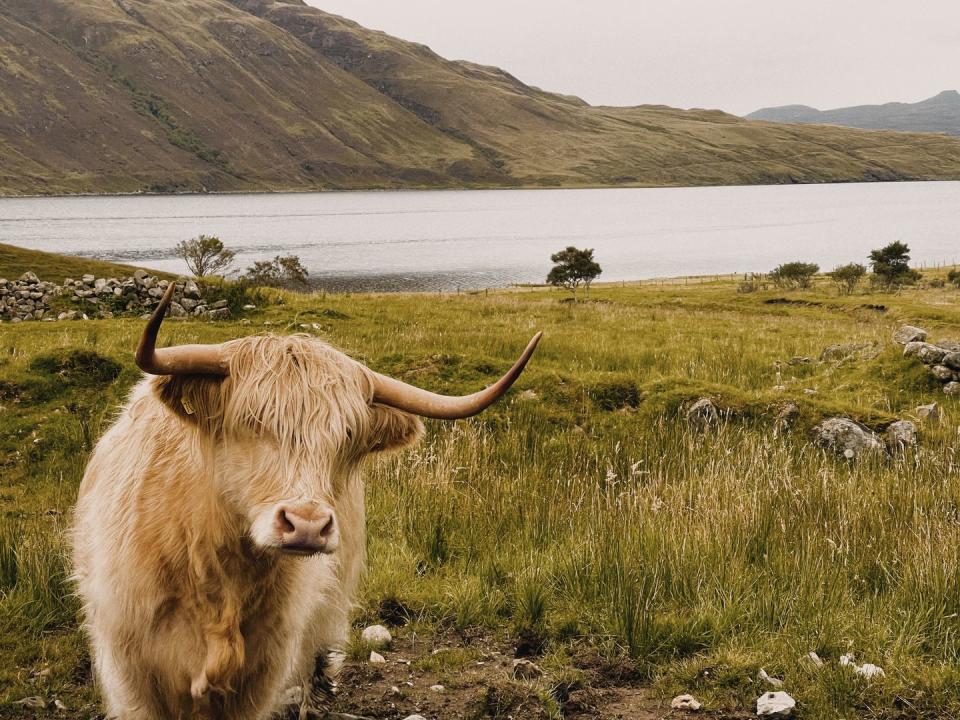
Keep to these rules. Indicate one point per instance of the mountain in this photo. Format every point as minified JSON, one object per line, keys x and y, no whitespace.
{"x":195,"y":95}
{"x":939,"y":114}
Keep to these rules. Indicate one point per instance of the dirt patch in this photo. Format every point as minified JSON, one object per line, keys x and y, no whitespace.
{"x":477,"y":678}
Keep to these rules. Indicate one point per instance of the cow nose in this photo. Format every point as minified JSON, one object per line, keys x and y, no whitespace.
{"x":306,"y":529}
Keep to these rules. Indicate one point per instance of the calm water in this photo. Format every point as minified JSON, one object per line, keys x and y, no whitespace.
{"x":449,"y":240}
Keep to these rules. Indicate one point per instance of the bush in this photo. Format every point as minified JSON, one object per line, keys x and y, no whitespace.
{"x":847,"y":277}
{"x":284,"y":271}
{"x":953,"y":277}
{"x":205,"y":255}
{"x":891,"y":266}
{"x":794,"y":274}
{"x":237,"y":294}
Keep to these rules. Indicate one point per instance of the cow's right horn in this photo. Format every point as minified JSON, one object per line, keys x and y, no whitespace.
{"x":179,"y":360}
{"x":400,"y":395}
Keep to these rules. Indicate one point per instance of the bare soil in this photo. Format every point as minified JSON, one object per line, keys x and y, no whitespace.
{"x":480,"y":683}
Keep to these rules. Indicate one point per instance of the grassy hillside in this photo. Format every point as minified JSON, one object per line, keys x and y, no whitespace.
{"x":14,"y":261}
{"x":583,"y":511}
{"x":542,"y":138}
{"x":194,"y":95}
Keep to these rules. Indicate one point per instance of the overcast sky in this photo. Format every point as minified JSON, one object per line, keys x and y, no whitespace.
{"x":737,"y":55}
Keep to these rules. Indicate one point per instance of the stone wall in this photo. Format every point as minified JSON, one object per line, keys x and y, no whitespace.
{"x":29,"y":298}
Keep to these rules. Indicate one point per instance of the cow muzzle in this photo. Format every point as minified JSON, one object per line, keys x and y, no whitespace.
{"x":304,"y":528}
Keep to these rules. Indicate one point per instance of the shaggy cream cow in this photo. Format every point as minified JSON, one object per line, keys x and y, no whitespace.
{"x":219,"y":533}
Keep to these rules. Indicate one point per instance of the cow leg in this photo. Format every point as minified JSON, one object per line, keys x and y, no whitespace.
{"x":127,"y":694}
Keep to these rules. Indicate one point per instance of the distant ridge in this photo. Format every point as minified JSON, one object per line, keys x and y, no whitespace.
{"x":120,"y":96}
{"x":939,"y":114}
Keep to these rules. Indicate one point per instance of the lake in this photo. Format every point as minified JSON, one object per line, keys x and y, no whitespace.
{"x":448,"y":240}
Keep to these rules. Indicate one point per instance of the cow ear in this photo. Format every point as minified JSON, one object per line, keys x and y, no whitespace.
{"x":392,"y":429}
{"x":195,"y":399}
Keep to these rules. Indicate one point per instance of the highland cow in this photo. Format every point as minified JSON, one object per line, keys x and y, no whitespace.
{"x":219,"y":533}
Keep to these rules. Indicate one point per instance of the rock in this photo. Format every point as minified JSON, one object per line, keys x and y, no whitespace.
{"x":927,"y":353}
{"x":437,"y":688}
{"x":952,"y":389}
{"x":527,"y":395}
{"x":870,"y":671}
{"x":29,"y":278}
{"x":219,"y":314}
{"x":685,"y":702}
{"x":99,"y":283}
{"x":901,"y":434}
{"x":219,"y":305}
{"x":949,"y":345}
{"x":800,"y":360}
{"x":88,"y":279}
{"x":815,"y":659}
{"x":929,"y":412}
{"x":376,"y":658}
{"x":702,"y":413}
{"x":188,"y":304}
{"x":249,"y":307}
{"x":909,"y":333}
{"x":846,"y":437}
{"x":867,"y":670}
{"x":191,"y":290}
{"x":376,"y":636}
{"x":526,"y":670}
{"x":952,"y":361}
{"x":844,"y":351}
{"x":772,"y":681}
{"x":775,"y":705}
{"x":943,"y":373}
{"x":177,"y":310}
{"x":414,"y":717}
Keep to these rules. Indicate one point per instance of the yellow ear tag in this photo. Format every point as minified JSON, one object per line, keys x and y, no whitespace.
{"x":187,"y":406}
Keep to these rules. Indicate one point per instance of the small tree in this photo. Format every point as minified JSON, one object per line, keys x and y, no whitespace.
{"x":283,"y":271}
{"x":847,"y":277}
{"x":953,"y":277}
{"x":794,"y":274}
{"x":205,"y":255}
{"x":891,"y":266}
{"x":572,"y":268}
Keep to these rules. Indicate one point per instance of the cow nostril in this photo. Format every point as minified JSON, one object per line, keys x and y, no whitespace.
{"x":327,"y":529}
{"x":283,"y":522}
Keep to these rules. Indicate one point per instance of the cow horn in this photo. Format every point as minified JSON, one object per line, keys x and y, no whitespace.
{"x":179,"y":360}
{"x":397,"y":394}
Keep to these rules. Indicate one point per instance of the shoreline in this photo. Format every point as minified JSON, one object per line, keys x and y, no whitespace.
{"x":336,"y":191}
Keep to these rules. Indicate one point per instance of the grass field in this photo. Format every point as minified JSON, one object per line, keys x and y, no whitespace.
{"x":583,"y":511}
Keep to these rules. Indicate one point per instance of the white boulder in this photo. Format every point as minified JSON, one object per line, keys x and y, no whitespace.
{"x":775,"y":705}
{"x":376,"y":636}
{"x":685,"y":702}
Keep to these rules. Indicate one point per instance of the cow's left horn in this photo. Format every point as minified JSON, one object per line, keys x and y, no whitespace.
{"x":179,"y":360}
{"x":397,"y":394}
